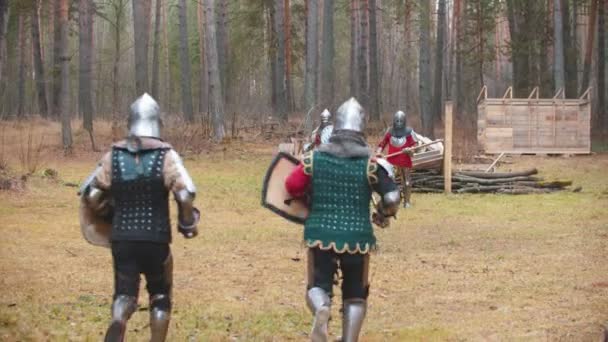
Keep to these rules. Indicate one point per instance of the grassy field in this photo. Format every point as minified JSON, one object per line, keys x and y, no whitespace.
{"x":459,"y":267}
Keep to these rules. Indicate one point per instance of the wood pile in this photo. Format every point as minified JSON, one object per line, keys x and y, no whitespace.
{"x":523,"y":182}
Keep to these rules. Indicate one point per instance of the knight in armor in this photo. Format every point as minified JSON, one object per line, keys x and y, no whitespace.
{"x":341,"y":176}
{"x":321,"y":134}
{"x":400,"y":138}
{"x":131,"y":185}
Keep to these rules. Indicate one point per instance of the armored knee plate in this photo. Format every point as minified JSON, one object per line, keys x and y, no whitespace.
{"x":122,"y":309}
{"x":319,"y":304}
{"x":353,"y":315}
{"x":160,"y":315}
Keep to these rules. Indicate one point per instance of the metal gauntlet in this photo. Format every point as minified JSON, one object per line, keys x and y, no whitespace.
{"x":95,"y":198}
{"x":188,"y":215}
{"x":389,"y":204}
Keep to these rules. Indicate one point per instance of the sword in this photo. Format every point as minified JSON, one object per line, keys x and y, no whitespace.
{"x":414,"y":148}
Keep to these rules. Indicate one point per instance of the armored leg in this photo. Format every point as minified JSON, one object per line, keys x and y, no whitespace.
{"x":406,"y":185}
{"x":319,"y":304}
{"x":353,"y":315}
{"x":159,"y":286}
{"x":321,"y":269}
{"x":355,"y":289}
{"x":160,"y":315}
{"x":122,"y":309}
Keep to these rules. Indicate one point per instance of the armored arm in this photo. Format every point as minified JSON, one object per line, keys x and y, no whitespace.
{"x":383,"y":143}
{"x":389,"y":193}
{"x":184,"y":193}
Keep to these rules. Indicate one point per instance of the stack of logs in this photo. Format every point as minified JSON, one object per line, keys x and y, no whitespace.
{"x":480,"y":182}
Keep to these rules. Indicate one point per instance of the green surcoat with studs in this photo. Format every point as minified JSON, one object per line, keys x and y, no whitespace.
{"x":340,"y":214}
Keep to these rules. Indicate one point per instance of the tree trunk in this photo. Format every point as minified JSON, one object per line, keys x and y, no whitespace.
{"x":363,"y":85}
{"x":3,"y":20}
{"x":559,"y":67}
{"x":216,"y":104}
{"x":438,"y":84}
{"x":140,"y":29}
{"x":168,"y":78}
{"x":184,"y":56}
{"x":520,"y":46}
{"x":570,"y":51}
{"x":406,"y":100}
{"x":222,"y":44}
{"x":119,"y":12}
{"x":272,"y":53}
{"x":601,"y":66}
{"x":374,"y":73}
{"x":288,"y":67}
{"x":22,"y":59}
{"x":424,"y":82}
{"x":64,"y":91}
{"x":589,"y":46}
{"x":354,"y":25}
{"x":327,"y":55}
{"x":281,"y":91}
{"x":38,"y":62}
{"x":545,"y":73}
{"x":156,"y":52}
{"x":202,"y":104}
{"x":56,"y":71}
{"x":310,"y":74}
{"x":85,"y":45}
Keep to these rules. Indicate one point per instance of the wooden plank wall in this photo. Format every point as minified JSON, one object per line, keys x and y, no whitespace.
{"x":534,"y":126}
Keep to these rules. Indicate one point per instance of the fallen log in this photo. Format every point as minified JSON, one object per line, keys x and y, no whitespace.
{"x":494,"y":181}
{"x":525,"y":191}
{"x":499,"y":174}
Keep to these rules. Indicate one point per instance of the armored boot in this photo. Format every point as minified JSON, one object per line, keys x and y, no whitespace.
{"x":406,"y":187}
{"x":352,"y":318}
{"x":320,"y":305}
{"x":407,"y":192}
{"x":122,"y":309}
{"x":160,"y":314}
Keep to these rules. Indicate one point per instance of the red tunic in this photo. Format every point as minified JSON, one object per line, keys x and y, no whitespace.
{"x":401,"y":160}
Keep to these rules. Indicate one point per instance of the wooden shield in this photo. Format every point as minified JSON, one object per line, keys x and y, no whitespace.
{"x":274,"y":195}
{"x":95,"y":229}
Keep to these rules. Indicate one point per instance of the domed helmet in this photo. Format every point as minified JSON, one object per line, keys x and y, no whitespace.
{"x":399,"y":124}
{"x":325,"y":116}
{"x":145,"y":119}
{"x":350,"y":116}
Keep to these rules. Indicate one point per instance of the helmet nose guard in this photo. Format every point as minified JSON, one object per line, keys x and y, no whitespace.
{"x":145,"y":119}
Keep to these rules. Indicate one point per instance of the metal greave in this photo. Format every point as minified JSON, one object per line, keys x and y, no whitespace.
{"x":159,"y":319}
{"x":122,"y":309}
{"x":319,"y":304}
{"x":352,"y":318}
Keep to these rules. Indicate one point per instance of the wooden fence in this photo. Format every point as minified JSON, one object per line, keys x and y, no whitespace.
{"x":534,"y":125}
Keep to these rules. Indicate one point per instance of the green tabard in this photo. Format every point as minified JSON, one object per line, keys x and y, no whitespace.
{"x":340,"y":213}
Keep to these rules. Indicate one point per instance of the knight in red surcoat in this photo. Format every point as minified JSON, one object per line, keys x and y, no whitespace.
{"x":399,"y":138}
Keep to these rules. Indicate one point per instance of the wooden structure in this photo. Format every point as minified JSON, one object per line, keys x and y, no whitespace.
{"x":534,"y":125}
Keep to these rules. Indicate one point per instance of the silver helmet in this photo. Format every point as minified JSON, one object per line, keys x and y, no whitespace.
{"x":325,"y":116}
{"x":350,"y":116}
{"x":399,"y":120}
{"x":144,"y":119}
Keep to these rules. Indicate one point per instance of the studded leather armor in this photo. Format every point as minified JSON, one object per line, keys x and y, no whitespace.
{"x":141,"y":201}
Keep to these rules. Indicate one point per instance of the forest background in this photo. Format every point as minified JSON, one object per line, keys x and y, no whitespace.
{"x":227,"y":62}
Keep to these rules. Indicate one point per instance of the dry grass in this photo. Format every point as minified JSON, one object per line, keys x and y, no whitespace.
{"x":466,"y":267}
